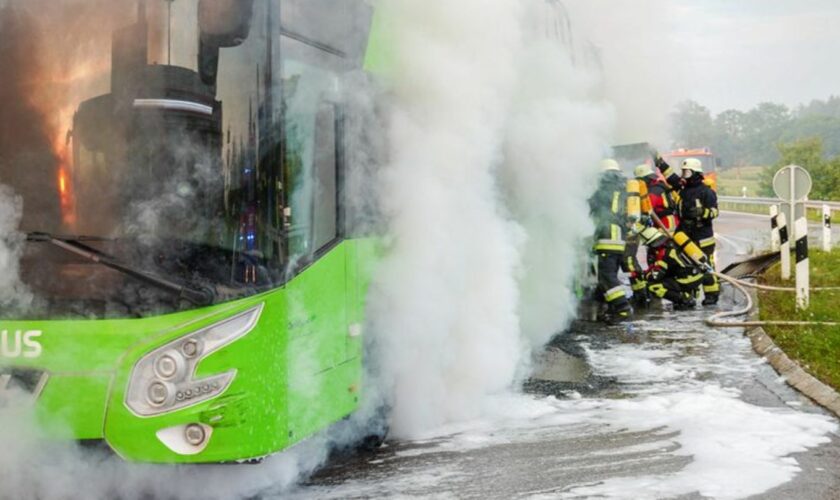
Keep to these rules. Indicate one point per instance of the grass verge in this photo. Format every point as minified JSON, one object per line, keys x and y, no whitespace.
{"x":815,"y":348}
{"x":732,"y":181}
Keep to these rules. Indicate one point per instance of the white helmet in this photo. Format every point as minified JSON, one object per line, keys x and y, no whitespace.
{"x":693,"y":164}
{"x":610,"y":165}
{"x":642,"y":171}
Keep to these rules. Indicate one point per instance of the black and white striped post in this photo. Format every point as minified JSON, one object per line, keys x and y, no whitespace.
{"x":802,"y":265}
{"x":784,"y":245}
{"x":774,"y":228}
{"x":826,"y":239}
{"x":792,"y":185}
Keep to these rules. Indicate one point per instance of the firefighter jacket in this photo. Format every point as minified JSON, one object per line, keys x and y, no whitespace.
{"x":698,"y":208}
{"x":662,"y":202}
{"x":671,"y":176}
{"x":607,"y":207}
{"x":671,"y":263}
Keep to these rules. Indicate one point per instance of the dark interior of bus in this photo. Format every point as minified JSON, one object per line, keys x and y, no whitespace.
{"x":185,"y":184}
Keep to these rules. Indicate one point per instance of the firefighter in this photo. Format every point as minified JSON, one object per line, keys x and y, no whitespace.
{"x":669,"y":174}
{"x":608,"y":210}
{"x":660,"y":199}
{"x":672,"y":276}
{"x":630,"y":261}
{"x":698,"y":207}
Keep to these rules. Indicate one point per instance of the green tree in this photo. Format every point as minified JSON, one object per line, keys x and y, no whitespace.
{"x":826,"y":127}
{"x":729,"y":135}
{"x":764,"y":126}
{"x":807,"y":153}
{"x":817,"y":107}
{"x":692,"y":125}
{"x":751,"y":137}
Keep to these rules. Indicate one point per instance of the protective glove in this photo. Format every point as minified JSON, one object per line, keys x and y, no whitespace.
{"x":637,"y":227}
{"x":653,"y":275}
{"x":661,"y":164}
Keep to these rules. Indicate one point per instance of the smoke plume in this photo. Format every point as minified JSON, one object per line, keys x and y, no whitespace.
{"x":555,"y":135}
{"x":493,"y":133}
{"x":492,"y":141}
{"x":642,"y":63}
{"x":26,"y":161}
{"x":13,"y":293}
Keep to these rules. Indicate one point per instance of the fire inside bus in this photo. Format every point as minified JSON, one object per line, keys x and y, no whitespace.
{"x":192,"y":288}
{"x":630,"y":155}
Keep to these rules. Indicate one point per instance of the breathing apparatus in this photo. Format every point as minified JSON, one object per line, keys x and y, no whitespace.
{"x":686,"y":246}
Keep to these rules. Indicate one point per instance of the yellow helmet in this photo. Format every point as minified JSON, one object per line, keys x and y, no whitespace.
{"x":652,"y":237}
{"x":642,"y":171}
{"x":610,"y":165}
{"x":693,"y":164}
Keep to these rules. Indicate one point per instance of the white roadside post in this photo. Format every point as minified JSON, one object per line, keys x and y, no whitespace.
{"x":826,"y":239}
{"x":792,"y":185}
{"x":803,"y":278}
{"x":784,"y":246}
{"x":774,"y":228}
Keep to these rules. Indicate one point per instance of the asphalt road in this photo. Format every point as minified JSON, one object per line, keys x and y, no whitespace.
{"x":743,"y":234}
{"x":664,"y":407}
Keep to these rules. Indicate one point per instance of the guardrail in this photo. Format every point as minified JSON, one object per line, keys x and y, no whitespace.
{"x":835,"y":205}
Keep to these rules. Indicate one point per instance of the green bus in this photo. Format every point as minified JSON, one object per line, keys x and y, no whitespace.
{"x":195,"y":287}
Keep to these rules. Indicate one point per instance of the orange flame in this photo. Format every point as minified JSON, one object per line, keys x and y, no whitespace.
{"x":65,"y":88}
{"x":65,"y":187}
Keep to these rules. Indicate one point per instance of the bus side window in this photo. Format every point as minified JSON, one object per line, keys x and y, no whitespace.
{"x":325,"y":199}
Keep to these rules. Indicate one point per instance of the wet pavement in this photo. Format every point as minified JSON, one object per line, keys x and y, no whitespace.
{"x":663,"y":407}
{"x":743,"y":234}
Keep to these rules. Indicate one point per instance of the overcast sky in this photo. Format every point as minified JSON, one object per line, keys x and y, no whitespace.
{"x":737,"y":53}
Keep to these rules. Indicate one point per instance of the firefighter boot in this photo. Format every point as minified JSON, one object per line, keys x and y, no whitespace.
{"x":681,"y":301}
{"x":641,"y":299}
{"x":711,"y":299}
{"x":619,"y":312}
{"x":685,"y":304}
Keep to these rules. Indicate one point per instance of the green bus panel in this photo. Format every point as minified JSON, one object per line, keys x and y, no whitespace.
{"x":297,"y":371}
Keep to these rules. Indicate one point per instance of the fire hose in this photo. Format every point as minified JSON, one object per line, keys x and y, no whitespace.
{"x":716,"y":319}
{"x":741,"y":286}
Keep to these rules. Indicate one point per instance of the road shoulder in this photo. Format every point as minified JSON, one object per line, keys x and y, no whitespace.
{"x":790,"y":370}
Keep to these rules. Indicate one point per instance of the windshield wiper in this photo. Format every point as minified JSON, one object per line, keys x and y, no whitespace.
{"x":199,"y":297}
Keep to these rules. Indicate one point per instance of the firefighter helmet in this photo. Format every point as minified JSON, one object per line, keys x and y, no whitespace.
{"x":642,"y":171}
{"x":610,"y":165}
{"x":693,"y":164}
{"x":652,"y":237}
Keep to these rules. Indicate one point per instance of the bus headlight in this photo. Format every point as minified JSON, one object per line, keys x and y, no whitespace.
{"x":158,"y":394}
{"x":169,"y":366}
{"x":164,"y":379}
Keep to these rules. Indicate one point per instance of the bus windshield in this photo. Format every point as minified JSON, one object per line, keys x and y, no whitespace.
{"x":172,"y":138}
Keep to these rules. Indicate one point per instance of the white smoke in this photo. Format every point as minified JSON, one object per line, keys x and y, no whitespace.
{"x":13,"y":293}
{"x":32,"y":467}
{"x":447,"y":295}
{"x":643,"y":63}
{"x":556,"y":134}
{"x":493,"y":140}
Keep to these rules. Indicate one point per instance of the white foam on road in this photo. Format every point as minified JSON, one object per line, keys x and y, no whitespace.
{"x":680,"y":392}
{"x":737,"y":449}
